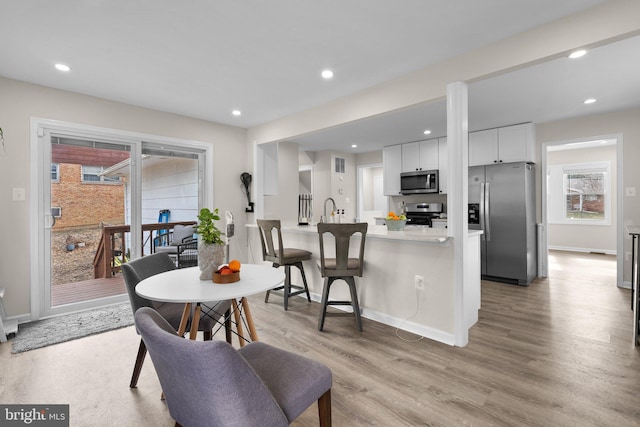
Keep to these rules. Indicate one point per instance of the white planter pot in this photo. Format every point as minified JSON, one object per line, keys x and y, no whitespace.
{"x":210,"y":258}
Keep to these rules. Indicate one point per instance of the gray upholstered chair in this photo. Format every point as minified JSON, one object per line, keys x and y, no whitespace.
{"x":340,"y":266}
{"x":139,"y":269}
{"x":181,"y":235}
{"x":281,"y":256}
{"x":212,"y":384}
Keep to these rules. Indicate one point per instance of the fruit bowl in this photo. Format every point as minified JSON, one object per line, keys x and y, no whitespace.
{"x":226,"y":278}
{"x":395,"y":224}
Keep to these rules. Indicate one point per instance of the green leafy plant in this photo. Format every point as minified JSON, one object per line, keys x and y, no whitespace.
{"x":207,"y":229}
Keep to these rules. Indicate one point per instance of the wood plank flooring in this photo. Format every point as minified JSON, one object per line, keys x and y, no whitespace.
{"x":69,"y":293}
{"x":557,"y":353}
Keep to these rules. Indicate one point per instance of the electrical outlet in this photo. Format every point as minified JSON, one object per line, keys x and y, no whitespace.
{"x":419,"y":282}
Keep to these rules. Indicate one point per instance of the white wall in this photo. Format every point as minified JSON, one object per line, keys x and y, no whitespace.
{"x":586,"y":237}
{"x":284,"y":205}
{"x":20,"y":101}
{"x":171,"y":184}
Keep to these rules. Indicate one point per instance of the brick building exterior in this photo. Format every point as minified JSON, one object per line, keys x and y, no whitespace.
{"x":83,"y":202}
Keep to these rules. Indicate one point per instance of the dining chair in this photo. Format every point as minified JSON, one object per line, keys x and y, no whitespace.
{"x":281,"y":256}
{"x":212,"y":384}
{"x":341,"y":266}
{"x":139,"y":269}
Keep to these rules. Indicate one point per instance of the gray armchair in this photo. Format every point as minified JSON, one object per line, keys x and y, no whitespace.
{"x":180,"y":238}
{"x":210,"y":383}
{"x":139,"y":269}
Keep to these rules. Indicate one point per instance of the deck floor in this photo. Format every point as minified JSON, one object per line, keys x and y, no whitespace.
{"x":86,"y":290}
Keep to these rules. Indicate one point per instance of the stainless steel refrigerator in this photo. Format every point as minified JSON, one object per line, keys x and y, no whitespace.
{"x":502,"y":203}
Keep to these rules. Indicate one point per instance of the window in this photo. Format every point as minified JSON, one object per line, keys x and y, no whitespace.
{"x":92,"y":174}
{"x":55,"y":172}
{"x":579,"y":193}
{"x":585,"y":195}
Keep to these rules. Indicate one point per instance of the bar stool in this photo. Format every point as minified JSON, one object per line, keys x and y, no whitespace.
{"x":341,"y":267}
{"x":286,"y":257}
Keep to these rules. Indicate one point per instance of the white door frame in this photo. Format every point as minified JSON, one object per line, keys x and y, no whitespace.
{"x":619,"y":202}
{"x":359,"y":196}
{"x":40,"y":206}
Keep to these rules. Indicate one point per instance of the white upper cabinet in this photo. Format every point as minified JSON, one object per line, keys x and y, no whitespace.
{"x":502,"y":145}
{"x":443,"y":165}
{"x":410,"y":157}
{"x":392,"y":167}
{"x":483,"y":147}
{"x":421,"y":155}
{"x":517,"y":143}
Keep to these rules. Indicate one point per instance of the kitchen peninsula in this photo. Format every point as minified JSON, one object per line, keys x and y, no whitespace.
{"x":387,"y":291}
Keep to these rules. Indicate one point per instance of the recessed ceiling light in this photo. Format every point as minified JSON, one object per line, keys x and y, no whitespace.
{"x":327,"y":74}
{"x":63,"y":67}
{"x":354,"y":146}
{"x":578,"y":54}
{"x":427,"y":132}
{"x":589,"y":101}
{"x":236,"y":113}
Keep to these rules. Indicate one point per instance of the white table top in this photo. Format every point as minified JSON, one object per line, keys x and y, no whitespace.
{"x":184,"y":285}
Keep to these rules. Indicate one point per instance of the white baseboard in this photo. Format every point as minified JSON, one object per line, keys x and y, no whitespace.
{"x":585,"y":250}
{"x":405,"y":325}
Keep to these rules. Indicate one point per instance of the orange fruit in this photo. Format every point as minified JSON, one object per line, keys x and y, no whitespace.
{"x":234,"y":265}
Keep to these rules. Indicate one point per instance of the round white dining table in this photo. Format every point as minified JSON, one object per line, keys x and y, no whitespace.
{"x":184,"y":286}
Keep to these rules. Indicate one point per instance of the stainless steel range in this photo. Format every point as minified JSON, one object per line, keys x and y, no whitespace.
{"x":422,"y":213}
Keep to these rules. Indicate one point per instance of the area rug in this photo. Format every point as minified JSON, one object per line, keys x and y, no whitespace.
{"x":42,"y":333}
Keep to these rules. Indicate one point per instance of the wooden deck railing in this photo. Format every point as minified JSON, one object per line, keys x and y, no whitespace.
{"x":110,"y":254}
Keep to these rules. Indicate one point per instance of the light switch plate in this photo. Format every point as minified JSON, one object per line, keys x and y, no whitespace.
{"x":630,"y":191}
{"x":19,"y":194}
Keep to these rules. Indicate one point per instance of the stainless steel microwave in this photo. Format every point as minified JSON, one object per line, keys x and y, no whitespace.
{"x":419,"y":182}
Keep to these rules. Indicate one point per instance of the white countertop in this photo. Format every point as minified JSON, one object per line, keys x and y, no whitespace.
{"x":410,"y":233}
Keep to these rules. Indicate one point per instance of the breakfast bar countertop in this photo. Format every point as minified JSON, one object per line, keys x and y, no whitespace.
{"x":412,"y":234}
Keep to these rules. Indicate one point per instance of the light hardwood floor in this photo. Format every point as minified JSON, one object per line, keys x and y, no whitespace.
{"x":557,"y":353}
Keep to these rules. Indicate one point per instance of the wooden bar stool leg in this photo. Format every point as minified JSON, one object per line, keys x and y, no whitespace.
{"x":325,"y":301}
{"x":304,"y":279}
{"x":354,"y":300}
{"x":287,"y":285}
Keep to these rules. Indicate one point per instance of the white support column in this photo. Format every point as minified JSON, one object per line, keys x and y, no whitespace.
{"x":457,"y":197}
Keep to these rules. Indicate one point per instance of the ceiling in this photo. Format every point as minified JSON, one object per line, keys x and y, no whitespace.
{"x":546,"y":92}
{"x":203,"y":59}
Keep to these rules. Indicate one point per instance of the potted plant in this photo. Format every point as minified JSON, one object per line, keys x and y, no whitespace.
{"x":210,"y":245}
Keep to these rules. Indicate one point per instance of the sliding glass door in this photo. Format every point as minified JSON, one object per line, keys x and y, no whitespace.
{"x":95,"y":187}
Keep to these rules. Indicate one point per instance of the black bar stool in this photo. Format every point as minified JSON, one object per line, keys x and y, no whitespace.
{"x":341,"y":266}
{"x":286,"y":257}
